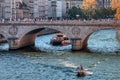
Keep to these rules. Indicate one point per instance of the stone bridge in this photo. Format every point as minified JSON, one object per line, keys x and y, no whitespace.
{"x":20,"y":34}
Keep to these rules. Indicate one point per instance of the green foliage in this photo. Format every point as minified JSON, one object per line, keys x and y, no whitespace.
{"x":104,"y":13}
{"x":96,"y":14}
{"x":73,"y":12}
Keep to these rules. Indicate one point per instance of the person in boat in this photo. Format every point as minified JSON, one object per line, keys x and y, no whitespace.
{"x":80,"y":71}
{"x":79,"y":68}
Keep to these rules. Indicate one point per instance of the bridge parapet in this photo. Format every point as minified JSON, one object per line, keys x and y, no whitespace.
{"x":68,"y":22}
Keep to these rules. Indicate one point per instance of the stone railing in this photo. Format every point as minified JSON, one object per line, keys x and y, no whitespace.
{"x":68,"y":22}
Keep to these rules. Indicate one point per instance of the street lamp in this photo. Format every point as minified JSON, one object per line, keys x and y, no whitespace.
{"x":77,"y":16}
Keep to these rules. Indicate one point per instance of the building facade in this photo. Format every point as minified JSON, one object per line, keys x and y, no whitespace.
{"x":1,"y":8}
{"x":13,"y":9}
{"x":30,"y":6}
{"x":57,"y":9}
{"x":74,"y":3}
{"x":49,"y":9}
{"x":44,"y":9}
{"x":104,"y":3}
{"x":40,"y":9}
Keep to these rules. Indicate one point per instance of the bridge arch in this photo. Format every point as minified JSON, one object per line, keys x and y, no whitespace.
{"x":4,"y":38}
{"x":85,"y":40}
{"x":4,"y":43}
{"x":4,"y":35}
{"x":37,"y":28}
{"x":59,"y":28}
{"x":29,"y":36}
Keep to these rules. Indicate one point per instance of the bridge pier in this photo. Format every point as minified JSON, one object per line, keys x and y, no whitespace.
{"x":76,"y":44}
{"x":118,"y":35}
{"x":13,"y":43}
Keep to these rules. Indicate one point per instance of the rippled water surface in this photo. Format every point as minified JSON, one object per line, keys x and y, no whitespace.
{"x":104,"y":41}
{"x":4,"y":47}
{"x":49,"y":66}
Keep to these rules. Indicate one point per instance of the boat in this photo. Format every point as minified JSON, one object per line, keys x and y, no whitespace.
{"x":83,"y":73}
{"x":60,"y":39}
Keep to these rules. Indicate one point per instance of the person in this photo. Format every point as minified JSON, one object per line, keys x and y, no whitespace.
{"x":79,"y":68}
{"x":80,"y":71}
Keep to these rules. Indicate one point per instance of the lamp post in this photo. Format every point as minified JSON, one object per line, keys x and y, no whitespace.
{"x":77,"y":16}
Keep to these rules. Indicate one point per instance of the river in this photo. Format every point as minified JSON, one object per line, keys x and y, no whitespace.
{"x":43,"y":66}
{"x":60,"y":65}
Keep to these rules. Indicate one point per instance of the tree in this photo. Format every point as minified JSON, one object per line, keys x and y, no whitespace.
{"x":104,"y":13}
{"x":117,"y":15}
{"x":90,"y":6}
{"x":115,"y":4}
{"x":75,"y":13}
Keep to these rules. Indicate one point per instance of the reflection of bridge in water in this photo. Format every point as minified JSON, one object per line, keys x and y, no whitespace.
{"x":20,"y":34}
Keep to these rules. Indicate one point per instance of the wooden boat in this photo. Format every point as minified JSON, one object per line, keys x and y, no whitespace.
{"x":83,"y":73}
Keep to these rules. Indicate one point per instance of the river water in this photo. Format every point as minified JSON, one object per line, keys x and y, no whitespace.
{"x":60,"y":64}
